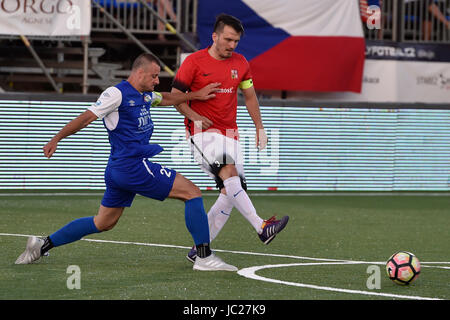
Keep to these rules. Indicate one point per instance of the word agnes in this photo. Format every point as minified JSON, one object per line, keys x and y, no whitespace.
{"x":36,"y":6}
{"x":227,"y":310}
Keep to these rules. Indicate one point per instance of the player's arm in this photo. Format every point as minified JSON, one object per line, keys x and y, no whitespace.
{"x":187,"y":111}
{"x":182,"y":82}
{"x":109,"y":100}
{"x":80,"y":122}
{"x":175,"y":98}
{"x":252,"y":104}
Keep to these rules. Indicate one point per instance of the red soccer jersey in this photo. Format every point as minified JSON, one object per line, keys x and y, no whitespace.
{"x":200,"y":69}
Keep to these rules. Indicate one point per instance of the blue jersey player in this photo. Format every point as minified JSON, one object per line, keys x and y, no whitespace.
{"x":125,"y":110}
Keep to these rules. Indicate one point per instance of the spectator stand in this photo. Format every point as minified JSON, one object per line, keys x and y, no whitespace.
{"x":120,"y":30}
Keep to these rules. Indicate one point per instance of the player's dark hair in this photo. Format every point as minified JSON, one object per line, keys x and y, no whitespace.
{"x":143,"y":59}
{"x":224,"y":19}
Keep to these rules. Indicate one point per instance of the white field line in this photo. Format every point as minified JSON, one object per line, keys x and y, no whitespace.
{"x":250,"y":271}
{"x":231,"y":251}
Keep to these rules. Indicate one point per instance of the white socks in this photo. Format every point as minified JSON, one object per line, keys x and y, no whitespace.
{"x":239,"y":199}
{"x":218,"y":215}
{"x":236,"y":197}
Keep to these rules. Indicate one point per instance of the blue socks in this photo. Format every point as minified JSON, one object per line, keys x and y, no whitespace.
{"x":197,"y":220}
{"x":74,"y":231}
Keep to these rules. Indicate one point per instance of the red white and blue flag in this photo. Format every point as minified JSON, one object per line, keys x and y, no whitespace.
{"x":295,"y":45}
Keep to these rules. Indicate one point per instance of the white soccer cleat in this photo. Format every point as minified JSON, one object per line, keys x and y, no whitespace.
{"x":32,"y":252}
{"x":212,"y":263}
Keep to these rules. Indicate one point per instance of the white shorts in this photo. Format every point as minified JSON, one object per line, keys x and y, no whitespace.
{"x":212,"y":148}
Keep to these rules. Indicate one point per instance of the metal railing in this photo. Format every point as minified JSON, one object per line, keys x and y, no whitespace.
{"x":412,"y":21}
{"x":137,"y":18}
{"x":426,"y":21}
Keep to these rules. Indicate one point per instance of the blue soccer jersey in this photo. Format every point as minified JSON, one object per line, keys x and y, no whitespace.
{"x":126,"y":116}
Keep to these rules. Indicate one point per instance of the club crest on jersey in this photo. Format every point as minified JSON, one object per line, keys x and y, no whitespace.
{"x":234,"y":74}
{"x":147,"y":98}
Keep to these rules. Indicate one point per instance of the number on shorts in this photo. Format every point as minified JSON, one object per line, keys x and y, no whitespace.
{"x":163,"y":171}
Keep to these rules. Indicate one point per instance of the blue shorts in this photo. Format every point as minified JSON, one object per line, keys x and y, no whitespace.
{"x":143,"y":177}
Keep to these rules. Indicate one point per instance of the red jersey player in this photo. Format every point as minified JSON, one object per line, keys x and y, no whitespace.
{"x":212,"y":129}
{"x":201,"y":68}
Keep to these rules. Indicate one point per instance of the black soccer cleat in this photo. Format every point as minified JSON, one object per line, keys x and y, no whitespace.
{"x":192,"y":255}
{"x":271,"y":228}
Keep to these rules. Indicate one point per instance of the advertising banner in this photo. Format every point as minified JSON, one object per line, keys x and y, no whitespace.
{"x":45,"y":17}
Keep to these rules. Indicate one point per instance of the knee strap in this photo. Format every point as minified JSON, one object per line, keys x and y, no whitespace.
{"x":218,"y":164}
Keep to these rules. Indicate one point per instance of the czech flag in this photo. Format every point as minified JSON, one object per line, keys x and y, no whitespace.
{"x":295,"y":45}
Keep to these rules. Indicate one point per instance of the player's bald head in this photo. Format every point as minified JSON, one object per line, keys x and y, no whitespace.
{"x":143,"y":61}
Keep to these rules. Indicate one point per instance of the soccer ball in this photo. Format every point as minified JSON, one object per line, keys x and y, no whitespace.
{"x":403,"y":268}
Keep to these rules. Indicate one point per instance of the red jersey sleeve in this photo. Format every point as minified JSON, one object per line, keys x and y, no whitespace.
{"x":185,"y":75}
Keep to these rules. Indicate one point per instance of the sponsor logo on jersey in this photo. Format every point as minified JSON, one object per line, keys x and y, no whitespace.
{"x":225,"y":90}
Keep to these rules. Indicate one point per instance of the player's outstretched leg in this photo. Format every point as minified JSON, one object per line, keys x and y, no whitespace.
{"x":36,"y":247}
{"x":32,"y":251}
{"x":73,"y":231}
